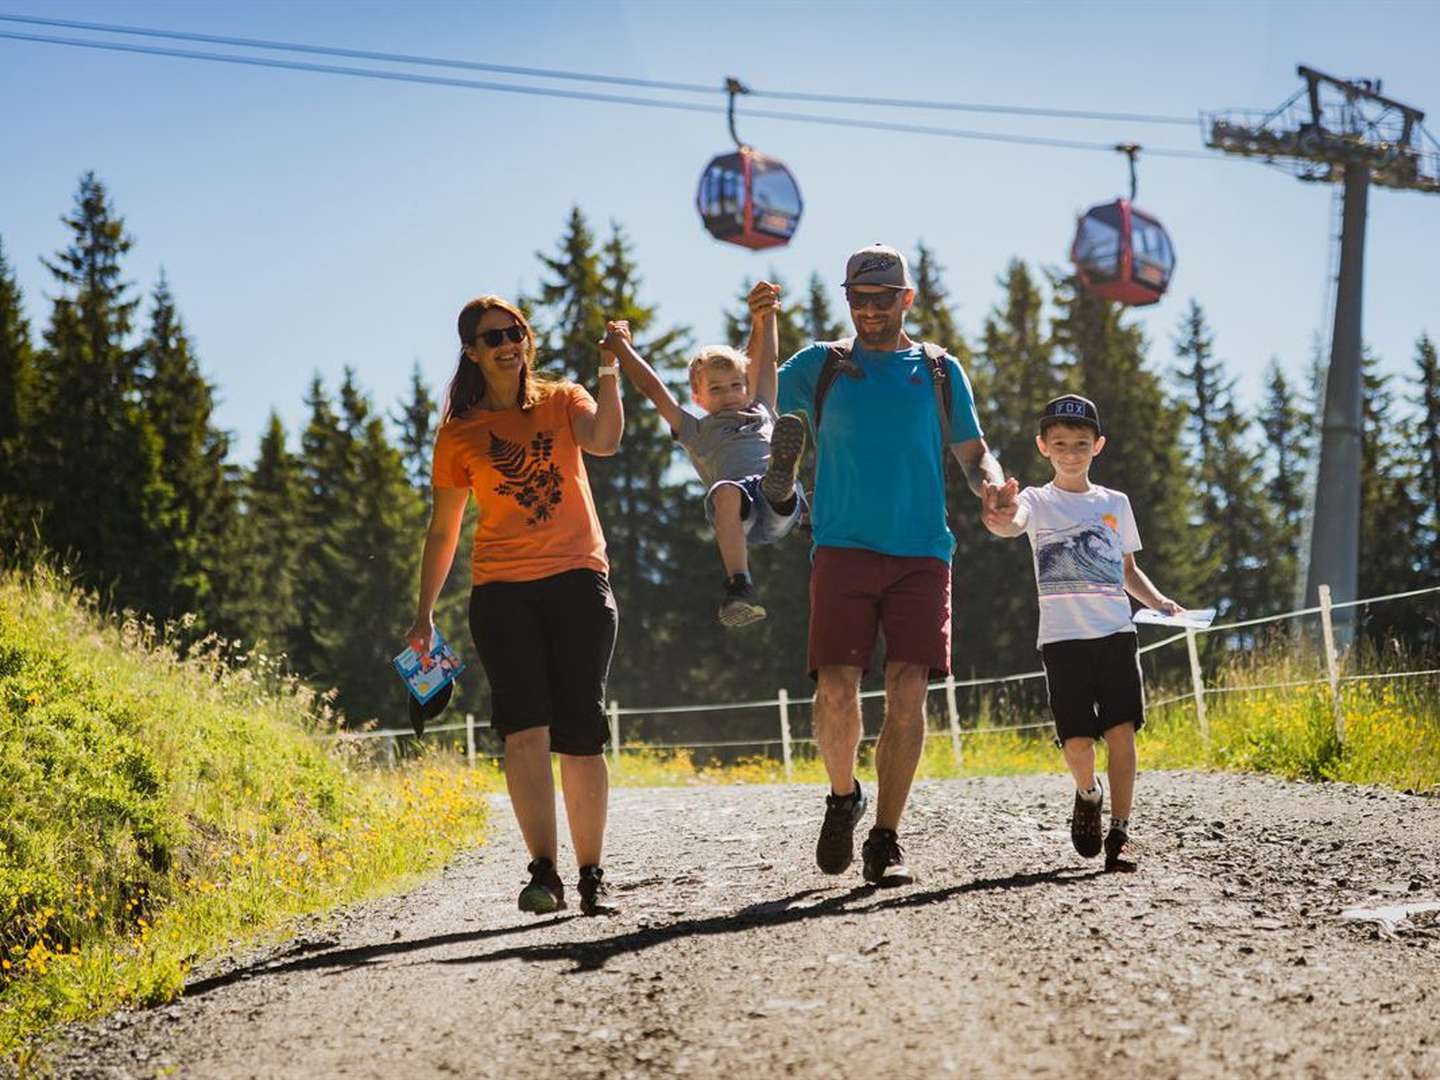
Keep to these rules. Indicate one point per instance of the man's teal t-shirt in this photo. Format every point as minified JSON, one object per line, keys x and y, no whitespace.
{"x":879,"y":483}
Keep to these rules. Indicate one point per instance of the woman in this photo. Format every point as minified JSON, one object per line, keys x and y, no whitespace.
{"x":541,"y":611}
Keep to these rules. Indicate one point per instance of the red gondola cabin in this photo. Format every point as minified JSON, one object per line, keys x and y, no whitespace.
{"x":749,"y":199}
{"x":1123,"y":254}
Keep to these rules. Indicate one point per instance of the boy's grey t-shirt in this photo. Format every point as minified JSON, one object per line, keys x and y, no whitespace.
{"x":728,"y":445}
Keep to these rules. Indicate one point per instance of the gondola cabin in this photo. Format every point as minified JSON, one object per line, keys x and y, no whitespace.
{"x":1123,"y":254}
{"x":749,"y":199}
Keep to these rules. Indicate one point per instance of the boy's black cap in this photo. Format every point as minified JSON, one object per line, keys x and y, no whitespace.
{"x":1070,"y":409}
{"x":420,"y":713}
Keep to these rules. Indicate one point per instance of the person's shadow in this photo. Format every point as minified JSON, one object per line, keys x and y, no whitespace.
{"x":595,"y":953}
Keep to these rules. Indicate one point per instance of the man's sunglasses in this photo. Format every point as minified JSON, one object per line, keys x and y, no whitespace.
{"x":492,"y":338}
{"x":880,"y":301}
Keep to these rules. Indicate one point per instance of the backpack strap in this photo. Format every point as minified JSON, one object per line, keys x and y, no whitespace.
{"x":837,"y":362}
{"x":935,"y":356}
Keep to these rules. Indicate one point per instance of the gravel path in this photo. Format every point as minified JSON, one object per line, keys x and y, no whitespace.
{"x":733,"y":956}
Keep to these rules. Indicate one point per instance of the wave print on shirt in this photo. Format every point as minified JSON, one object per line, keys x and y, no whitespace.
{"x":1084,"y":558}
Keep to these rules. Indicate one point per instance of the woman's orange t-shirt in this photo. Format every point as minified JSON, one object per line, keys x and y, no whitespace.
{"x":537,"y":516}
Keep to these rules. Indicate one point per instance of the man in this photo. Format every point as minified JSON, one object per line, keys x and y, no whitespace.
{"x":882,"y":542}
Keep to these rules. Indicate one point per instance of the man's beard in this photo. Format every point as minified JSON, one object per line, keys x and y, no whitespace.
{"x":883,"y":338}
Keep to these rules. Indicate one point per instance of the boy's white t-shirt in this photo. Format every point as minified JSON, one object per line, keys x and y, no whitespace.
{"x":1080,"y":540}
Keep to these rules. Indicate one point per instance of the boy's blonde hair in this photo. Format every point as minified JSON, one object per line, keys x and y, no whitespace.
{"x":716,"y":358}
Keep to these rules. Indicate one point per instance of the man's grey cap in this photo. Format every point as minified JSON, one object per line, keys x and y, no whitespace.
{"x":878,"y":264}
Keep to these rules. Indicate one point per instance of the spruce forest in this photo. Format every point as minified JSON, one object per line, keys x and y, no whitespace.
{"x":111,"y":463}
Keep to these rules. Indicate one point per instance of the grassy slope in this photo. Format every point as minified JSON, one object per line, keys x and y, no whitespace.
{"x":154,"y":810}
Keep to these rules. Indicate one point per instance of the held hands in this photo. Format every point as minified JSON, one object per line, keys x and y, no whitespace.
{"x":999,"y":503}
{"x":764,"y":300}
{"x":616,"y":334}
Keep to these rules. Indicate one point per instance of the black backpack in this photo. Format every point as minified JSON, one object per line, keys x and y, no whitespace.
{"x":838,"y":362}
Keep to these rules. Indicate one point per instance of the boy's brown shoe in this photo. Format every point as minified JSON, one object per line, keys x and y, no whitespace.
{"x":1119,"y":853}
{"x":1085,"y":826}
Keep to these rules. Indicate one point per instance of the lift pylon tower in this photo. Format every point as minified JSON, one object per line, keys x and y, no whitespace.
{"x":1343,"y":132}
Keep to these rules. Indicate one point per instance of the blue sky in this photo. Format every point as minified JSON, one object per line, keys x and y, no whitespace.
{"x":308,"y":222}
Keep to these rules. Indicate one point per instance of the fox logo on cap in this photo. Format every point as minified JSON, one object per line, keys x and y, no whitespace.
{"x":1070,"y":409}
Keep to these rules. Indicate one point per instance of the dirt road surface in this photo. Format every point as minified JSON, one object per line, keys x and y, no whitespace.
{"x":1226,"y":954}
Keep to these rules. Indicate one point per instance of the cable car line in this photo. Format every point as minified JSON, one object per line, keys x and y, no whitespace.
{"x":587,"y":95}
{"x":614,"y":80}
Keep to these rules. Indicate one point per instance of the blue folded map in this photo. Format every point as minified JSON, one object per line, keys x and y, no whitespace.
{"x":427,"y":676}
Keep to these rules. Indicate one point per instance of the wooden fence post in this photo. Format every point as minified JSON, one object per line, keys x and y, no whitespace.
{"x":470,"y":739}
{"x":1332,"y":663}
{"x":784,"y":697}
{"x":615,"y":733}
{"x":1197,"y":684}
{"x":953,"y":712}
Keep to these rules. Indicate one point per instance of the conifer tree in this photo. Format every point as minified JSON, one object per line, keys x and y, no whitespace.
{"x":325,"y":462}
{"x":1389,"y":508}
{"x":17,"y":379}
{"x":821,"y":323}
{"x":98,"y":458}
{"x":264,"y":606}
{"x":179,"y":403}
{"x":1287,"y":443}
{"x":1427,"y":383}
{"x":416,"y":421}
{"x":1201,"y":377}
{"x":1249,"y":582}
{"x":932,"y":318}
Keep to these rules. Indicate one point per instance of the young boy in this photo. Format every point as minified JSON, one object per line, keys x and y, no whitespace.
{"x":1084,"y":539}
{"x":746,"y":455}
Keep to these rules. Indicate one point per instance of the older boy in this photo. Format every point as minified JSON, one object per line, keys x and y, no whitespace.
{"x":1084,"y":539}
{"x":746,"y":455}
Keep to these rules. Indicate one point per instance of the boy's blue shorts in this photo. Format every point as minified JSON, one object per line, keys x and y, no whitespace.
{"x":761,"y":523}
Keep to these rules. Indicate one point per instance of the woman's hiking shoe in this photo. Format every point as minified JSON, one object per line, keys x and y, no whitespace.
{"x":1119,"y":855}
{"x":835,"y":849}
{"x":787,"y":447}
{"x":741,"y":606}
{"x":546,"y":892}
{"x":883,"y":859}
{"x":594,"y":893}
{"x":1085,"y":827}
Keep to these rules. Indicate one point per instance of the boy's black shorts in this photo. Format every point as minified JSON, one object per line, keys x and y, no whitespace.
{"x":546,"y":646}
{"x":1094,"y":684}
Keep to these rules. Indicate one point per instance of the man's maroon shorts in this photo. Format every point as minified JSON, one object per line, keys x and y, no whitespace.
{"x":853,"y":592}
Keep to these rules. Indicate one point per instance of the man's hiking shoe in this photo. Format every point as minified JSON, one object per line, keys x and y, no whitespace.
{"x":787,"y":447}
{"x":1119,"y":856}
{"x":594,"y":893}
{"x":835,"y":849}
{"x":884,"y":861}
{"x":1085,"y":829}
{"x":741,"y":605}
{"x":546,"y":892}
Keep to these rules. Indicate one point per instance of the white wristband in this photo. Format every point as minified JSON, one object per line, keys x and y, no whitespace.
{"x":609,"y":369}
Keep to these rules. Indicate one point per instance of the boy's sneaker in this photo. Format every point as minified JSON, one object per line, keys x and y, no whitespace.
{"x":835,"y":849}
{"x":546,"y":892}
{"x":594,"y":893}
{"x":787,"y":447}
{"x":1085,"y":827}
{"x":741,"y":605}
{"x":1119,"y":855}
{"x":884,"y":861}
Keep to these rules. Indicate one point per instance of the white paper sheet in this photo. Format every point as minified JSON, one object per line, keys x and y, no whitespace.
{"x":1196,"y":617}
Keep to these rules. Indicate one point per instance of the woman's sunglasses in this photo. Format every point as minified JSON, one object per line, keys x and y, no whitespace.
{"x":492,"y":338}
{"x":880,"y":301}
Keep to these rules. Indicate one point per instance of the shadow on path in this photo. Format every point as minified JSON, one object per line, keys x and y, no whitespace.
{"x":355,"y":957}
{"x":593,"y":955}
